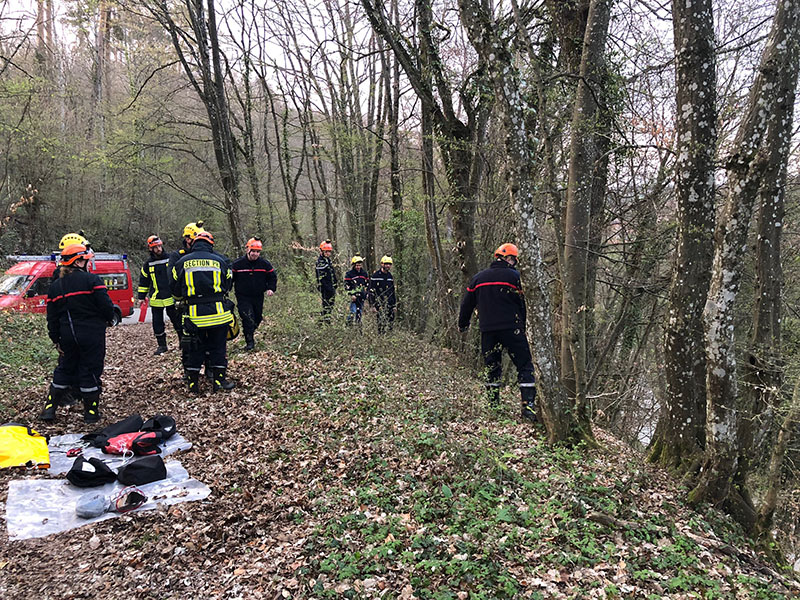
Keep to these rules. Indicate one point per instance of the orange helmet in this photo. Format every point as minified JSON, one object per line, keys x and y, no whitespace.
{"x":73,"y":252}
{"x":507,"y":250}
{"x":326,"y":245}
{"x":254,"y":244}
{"x":205,"y":235}
{"x":154,"y":241}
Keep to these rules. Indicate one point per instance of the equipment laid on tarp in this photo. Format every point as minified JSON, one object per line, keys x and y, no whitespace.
{"x":39,"y":507}
{"x":21,"y":446}
{"x":90,"y":473}
{"x":61,"y":445}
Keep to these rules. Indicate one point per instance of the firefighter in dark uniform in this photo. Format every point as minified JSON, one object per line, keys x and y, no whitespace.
{"x":382,"y":296}
{"x":253,"y":276}
{"x":78,"y":312}
{"x":201,"y":279}
{"x":155,"y":280}
{"x":497,"y":293}
{"x":356,"y":282}
{"x":189,"y":233}
{"x":326,"y":279}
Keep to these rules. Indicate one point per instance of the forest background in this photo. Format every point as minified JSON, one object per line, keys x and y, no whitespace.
{"x":640,"y":154}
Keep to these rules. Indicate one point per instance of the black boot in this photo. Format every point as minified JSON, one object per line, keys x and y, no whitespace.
{"x":55,"y":398}
{"x":91,"y":407}
{"x":162,"y":344}
{"x":250,"y":342}
{"x":220,"y":381}
{"x":528,"y":393}
{"x":192,"y":380}
{"x":493,"y":395}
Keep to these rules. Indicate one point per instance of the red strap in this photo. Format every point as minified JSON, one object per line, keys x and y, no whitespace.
{"x":511,"y":285}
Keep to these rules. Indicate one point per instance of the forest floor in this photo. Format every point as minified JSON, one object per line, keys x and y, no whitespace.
{"x":348,"y":466}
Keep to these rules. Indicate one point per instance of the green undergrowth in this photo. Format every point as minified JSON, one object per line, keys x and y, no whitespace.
{"x":426,"y":486}
{"x":26,"y":355}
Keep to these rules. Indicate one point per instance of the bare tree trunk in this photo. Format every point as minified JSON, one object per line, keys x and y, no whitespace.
{"x":459,"y":142}
{"x":680,"y":433}
{"x":766,"y":511}
{"x":584,"y":154}
{"x":745,"y":178}
{"x":202,"y":46}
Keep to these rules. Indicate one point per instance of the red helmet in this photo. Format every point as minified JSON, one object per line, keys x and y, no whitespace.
{"x":205,"y":235}
{"x":254,"y":244}
{"x":154,"y":241}
{"x":507,"y":250}
{"x":73,"y":252}
{"x":326,"y":245}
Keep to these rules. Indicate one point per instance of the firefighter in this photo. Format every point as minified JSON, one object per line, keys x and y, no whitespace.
{"x":326,"y":279}
{"x":382,"y":296}
{"x":78,"y":312}
{"x":201,"y":279}
{"x":253,"y":276}
{"x":155,"y":280}
{"x":189,"y":233}
{"x":497,"y":293}
{"x":356,"y":282}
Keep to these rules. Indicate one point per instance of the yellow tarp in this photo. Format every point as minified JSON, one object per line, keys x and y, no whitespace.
{"x":21,"y":446}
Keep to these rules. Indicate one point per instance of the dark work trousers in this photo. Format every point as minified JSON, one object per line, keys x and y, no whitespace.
{"x":250,"y":309}
{"x":328,"y":297}
{"x":83,"y":360}
{"x":158,"y":319}
{"x":513,"y":340}
{"x":211,"y":347}
{"x":385,"y":317}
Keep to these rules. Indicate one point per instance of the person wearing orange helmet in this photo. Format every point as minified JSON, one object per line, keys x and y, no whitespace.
{"x":155,"y":281}
{"x":201,"y":280}
{"x":78,"y":311}
{"x":497,"y":294}
{"x":253,"y":276}
{"x":326,"y":279}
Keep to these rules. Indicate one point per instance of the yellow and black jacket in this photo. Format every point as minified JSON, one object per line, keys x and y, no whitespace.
{"x":155,"y":279}
{"x":201,"y":279}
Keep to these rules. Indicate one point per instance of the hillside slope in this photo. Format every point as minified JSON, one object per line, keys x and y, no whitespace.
{"x":347,"y":466}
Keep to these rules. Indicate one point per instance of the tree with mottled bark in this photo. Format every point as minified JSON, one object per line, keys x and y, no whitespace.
{"x":745,"y":177}
{"x":680,"y":435}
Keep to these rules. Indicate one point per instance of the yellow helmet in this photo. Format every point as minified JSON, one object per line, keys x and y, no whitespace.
{"x":356,"y":259}
{"x":72,"y":238}
{"x":192,"y":229}
{"x":386,"y":260}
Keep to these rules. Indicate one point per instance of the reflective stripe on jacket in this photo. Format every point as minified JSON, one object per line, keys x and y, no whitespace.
{"x":155,"y":280}
{"x":497,"y":293}
{"x":202,"y":278}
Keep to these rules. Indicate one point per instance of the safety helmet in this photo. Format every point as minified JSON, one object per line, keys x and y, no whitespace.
{"x":192,"y":229}
{"x":356,"y":259}
{"x":507,"y":250}
{"x":205,"y":235}
{"x":72,"y":238}
{"x":254,"y":244}
{"x":154,"y":241}
{"x":73,"y":252}
{"x":386,"y":260}
{"x":326,"y":245}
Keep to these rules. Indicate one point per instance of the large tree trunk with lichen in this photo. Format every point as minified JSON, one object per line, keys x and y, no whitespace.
{"x":745,"y":169}
{"x":679,"y":439}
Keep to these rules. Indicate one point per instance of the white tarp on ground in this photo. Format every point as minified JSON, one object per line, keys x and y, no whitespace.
{"x":61,"y":463}
{"x":39,"y":507}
